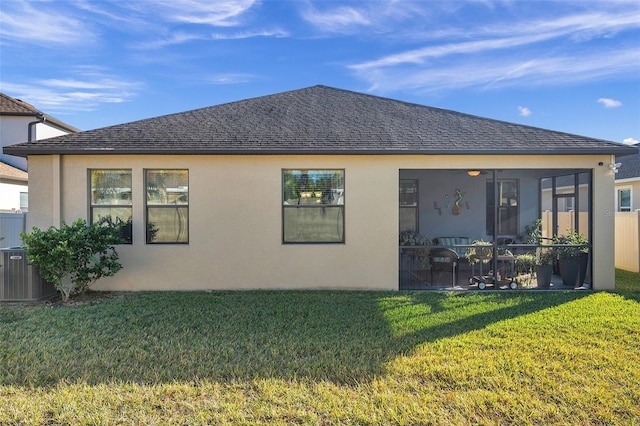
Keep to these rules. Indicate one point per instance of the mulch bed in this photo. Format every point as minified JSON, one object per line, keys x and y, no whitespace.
{"x":87,"y":298}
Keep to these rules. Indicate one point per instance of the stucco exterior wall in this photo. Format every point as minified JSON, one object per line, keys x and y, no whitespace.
{"x":235,"y":218}
{"x":45,"y":130}
{"x":604,"y":229}
{"x":15,"y":129}
{"x":44,"y":188}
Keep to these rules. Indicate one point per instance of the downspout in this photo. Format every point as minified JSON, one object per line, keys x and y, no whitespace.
{"x":41,"y":119}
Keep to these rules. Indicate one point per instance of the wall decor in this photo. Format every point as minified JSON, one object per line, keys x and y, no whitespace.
{"x":456,"y":210}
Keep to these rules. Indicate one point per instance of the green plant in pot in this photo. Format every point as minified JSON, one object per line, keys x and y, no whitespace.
{"x":525,"y":265}
{"x":480,"y":252}
{"x":572,"y":260}
{"x":544,"y":259}
{"x":416,"y":240}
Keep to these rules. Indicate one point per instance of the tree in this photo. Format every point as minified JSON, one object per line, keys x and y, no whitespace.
{"x":74,"y":256}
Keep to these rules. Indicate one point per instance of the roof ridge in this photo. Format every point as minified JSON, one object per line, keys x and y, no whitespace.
{"x":474,"y":116}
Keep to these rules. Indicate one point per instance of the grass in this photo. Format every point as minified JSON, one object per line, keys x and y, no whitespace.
{"x":295,"y":357}
{"x":627,"y":281}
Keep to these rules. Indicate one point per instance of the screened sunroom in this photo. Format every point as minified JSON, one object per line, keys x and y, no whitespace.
{"x":495,"y":229}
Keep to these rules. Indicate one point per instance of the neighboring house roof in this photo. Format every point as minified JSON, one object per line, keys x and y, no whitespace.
{"x":12,"y":173}
{"x":629,"y":167}
{"x":319,"y":120}
{"x":18,"y":108}
{"x":567,"y":180}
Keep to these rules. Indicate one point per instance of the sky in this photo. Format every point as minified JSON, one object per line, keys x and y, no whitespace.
{"x":571,"y":66}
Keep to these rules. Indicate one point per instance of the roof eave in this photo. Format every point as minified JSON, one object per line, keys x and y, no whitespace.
{"x":5,"y":178}
{"x":25,"y":152}
{"x":20,"y":114}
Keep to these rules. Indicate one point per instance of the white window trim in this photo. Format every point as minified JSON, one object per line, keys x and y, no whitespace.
{"x":624,"y":188}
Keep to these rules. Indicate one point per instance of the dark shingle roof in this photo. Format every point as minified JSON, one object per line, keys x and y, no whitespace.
{"x":629,"y":167}
{"x":318,"y":120}
{"x":18,"y":108}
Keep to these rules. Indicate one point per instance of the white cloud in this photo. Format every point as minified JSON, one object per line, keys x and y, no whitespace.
{"x":630,"y":141}
{"x":610,"y":103}
{"x":277,"y":33}
{"x":170,"y":40}
{"x":36,"y":23}
{"x":219,"y":13}
{"x":503,"y":71}
{"x":74,"y":23}
{"x":524,"y":111}
{"x":524,"y":51}
{"x":182,"y":37}
{"x":88,"y":89}
{"x":230,"y":78}
{"x":521,"y":33}
{"x":419,"y":56}
{"x":340,"y":19}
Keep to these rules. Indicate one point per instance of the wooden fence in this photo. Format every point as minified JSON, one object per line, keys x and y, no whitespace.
{"x":627,"y":246}
{"x":628,"y":241}
{"x":566,"y":220}
{"x":11,"y":225}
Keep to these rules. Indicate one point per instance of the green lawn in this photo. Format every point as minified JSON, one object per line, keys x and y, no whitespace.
{"x":270,"y":357}
{"x":627,"y":281}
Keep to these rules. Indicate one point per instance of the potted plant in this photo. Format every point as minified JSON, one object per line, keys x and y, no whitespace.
{"x":572,"y":260}
{"x":545,"y":256}
{"x":525,"y":265}
{"x":480,"y":252}
{"x":544,"y":266}
{"x":416,"y":240}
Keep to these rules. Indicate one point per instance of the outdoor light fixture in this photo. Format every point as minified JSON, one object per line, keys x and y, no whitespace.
{"x":473,"y":173}
{"x":614,"y":167}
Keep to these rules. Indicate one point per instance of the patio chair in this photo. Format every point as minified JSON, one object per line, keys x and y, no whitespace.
{"x":444,"y":260}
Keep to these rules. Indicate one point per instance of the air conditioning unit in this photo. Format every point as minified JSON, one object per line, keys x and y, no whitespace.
{"x":19,"y":280}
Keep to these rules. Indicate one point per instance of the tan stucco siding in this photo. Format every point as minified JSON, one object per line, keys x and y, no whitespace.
{"x":603,"y":218}
{"x":44,"y":191}
{"x":235,"y":225}
{"x":235,"y":219}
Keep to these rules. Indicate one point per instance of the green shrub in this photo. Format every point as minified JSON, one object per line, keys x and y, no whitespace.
{"x":74,"y":256}
{"x":578,"y":244}
{"x":525,"y":263}
{"x":412,"y":238}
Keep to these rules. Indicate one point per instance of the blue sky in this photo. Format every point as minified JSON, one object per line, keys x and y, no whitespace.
{"x":565,"y":65}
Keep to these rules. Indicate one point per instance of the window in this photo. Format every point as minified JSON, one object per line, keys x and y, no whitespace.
{"x":167,"y":206}
{"x":408,"y":205}
{"x":624,"y":199}
{"x":313,"y":206}
{"x":569,"y":204}
{"x":24,"y":202}
{"x":507,"y":207}
{"x":111,"y":200}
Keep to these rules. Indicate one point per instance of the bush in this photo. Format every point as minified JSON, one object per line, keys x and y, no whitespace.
{"x":74,"y":256}
{"x":577,"y":243}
